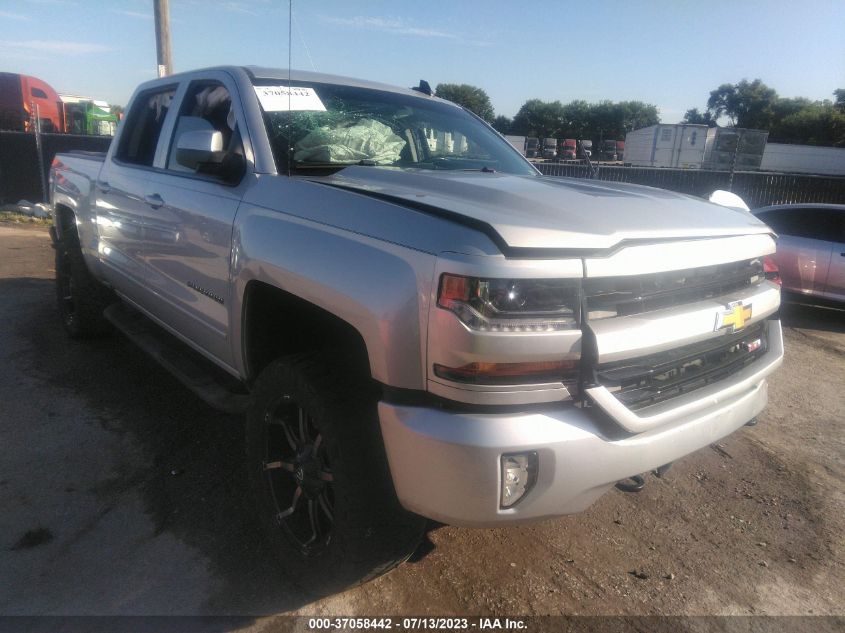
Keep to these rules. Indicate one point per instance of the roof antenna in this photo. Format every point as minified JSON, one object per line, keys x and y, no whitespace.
{"x":290,"y":61}
{"x":423,"y":88}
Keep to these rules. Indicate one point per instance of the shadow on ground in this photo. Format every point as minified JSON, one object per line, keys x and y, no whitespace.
{"x":829,"y":318}
{"x":191,"y":477}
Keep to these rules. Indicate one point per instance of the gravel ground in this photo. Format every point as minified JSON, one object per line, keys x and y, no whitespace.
{"x":123,"y":494}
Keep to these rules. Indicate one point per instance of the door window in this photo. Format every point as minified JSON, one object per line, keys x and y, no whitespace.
{"x":143,"y":127}
{"x":816,"y":224}
{"x":208,"y":106}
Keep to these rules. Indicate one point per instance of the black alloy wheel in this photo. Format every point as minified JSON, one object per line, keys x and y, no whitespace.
{"x":299,"y":476}
{"x":320,"y":477}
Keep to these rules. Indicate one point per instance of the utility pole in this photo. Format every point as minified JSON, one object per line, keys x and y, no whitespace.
{"x":162,"y":17}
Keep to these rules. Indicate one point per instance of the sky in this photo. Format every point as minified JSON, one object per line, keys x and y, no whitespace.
{"x":670,"y":54}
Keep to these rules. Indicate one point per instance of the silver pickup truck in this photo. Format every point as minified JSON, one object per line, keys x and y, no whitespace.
{"x":414,"y":320}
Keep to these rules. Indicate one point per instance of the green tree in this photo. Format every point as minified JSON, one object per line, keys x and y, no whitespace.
{"x":818,"y":123}
{"x":746,"y":104}
{"x":839,"y":95}
{"x":502,"y":124}
{"x":633,"y":115}
{"x":577,"y":121}
{"x":539,"y":118}
{"x":700,"y":118}
{"x":472,"y":98}
{"x":581,"y":120}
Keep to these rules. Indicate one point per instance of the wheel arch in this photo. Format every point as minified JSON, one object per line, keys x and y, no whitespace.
{"x":64,"y":219}
{"x":277,"y":323}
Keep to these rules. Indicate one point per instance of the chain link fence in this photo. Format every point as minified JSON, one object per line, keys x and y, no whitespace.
{"x":757,"y":188}
{"x":21,"y":173}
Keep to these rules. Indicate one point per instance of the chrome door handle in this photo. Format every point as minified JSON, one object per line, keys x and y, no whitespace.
{"x":154,"y":200}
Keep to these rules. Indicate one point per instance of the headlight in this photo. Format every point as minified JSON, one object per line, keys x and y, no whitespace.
{"x":511,"y":305}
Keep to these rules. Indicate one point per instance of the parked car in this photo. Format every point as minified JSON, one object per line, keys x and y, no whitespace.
{"x":416,"y":322}
{"x":811,"y":248}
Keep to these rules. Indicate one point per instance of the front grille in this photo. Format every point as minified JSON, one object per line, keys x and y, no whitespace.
{"x":623,"y":296}
{"x":641,"y":382}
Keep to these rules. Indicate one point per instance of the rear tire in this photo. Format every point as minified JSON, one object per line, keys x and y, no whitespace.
{"x":81,"y":298}
{"x":320,"y":476}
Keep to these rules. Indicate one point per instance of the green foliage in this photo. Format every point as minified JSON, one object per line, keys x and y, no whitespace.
{"x":789,"y":120}
{"x":538,"y":118}
{"x":502,"y":124}
{"x":582,"y":120}
{"x":472,"y":98}
{"x":818,"y":123}
{"x":746,"y":104}
{"x":699,"y":118}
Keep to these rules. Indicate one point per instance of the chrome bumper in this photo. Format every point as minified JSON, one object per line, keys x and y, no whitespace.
{"x":446,"y":465}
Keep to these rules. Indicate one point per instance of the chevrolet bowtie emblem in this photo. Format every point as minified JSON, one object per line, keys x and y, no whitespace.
{"x":734,"y":317}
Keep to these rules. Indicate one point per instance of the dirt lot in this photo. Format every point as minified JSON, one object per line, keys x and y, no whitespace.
{"x":121,"y":493}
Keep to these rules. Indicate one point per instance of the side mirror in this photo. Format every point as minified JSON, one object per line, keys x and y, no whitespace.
{"x":199,"y":147}
{"x":728,"y":199}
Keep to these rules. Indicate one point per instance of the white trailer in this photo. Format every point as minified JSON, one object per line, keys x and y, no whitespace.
{"x":518,"y":142}
{"x":680,"y":145}
{"x":740,"y":147}
{"x":804,"y":159}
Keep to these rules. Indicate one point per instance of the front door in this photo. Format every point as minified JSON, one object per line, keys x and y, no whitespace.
{"x":188,"y":248}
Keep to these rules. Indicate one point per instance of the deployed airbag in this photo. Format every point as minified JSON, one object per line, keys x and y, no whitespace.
{"x":365,"y":140}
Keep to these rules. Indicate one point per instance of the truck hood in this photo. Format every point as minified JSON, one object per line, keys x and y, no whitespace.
{"x":546,"y":212}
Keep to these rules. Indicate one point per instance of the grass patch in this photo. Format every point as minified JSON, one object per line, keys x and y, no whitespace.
{"x":19,"y":218}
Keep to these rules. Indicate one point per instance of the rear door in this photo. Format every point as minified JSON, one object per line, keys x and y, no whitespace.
{"x":691,"y":147}
{"x":803,"y":248}
{"x":122,"y":213}
{"x":188,"y":250}
{"x":664,"y":146}
{"x":835,"y":285}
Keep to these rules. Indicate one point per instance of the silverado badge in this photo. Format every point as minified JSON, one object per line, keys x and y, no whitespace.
{"x":734,"y":317}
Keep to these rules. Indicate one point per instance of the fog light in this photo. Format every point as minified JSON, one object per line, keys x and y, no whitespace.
{"x":519,"y":474}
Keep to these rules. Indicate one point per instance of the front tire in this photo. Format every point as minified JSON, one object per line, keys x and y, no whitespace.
{"x":320,"y":476}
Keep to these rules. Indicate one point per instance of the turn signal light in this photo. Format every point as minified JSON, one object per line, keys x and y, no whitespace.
{"x":509,"y":373}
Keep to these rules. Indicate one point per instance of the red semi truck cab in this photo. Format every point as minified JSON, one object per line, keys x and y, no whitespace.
{"x":568,"y":149}
{"x":21,"y":96}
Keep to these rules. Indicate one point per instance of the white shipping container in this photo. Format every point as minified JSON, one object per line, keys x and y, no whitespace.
{"x":680,"y":145}
{"x":740,"y":147}
{"x":804,"y":159}
{"x":518,"y":142}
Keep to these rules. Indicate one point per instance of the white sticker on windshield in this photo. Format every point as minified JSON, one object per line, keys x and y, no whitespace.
{"x":285,"y":98}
